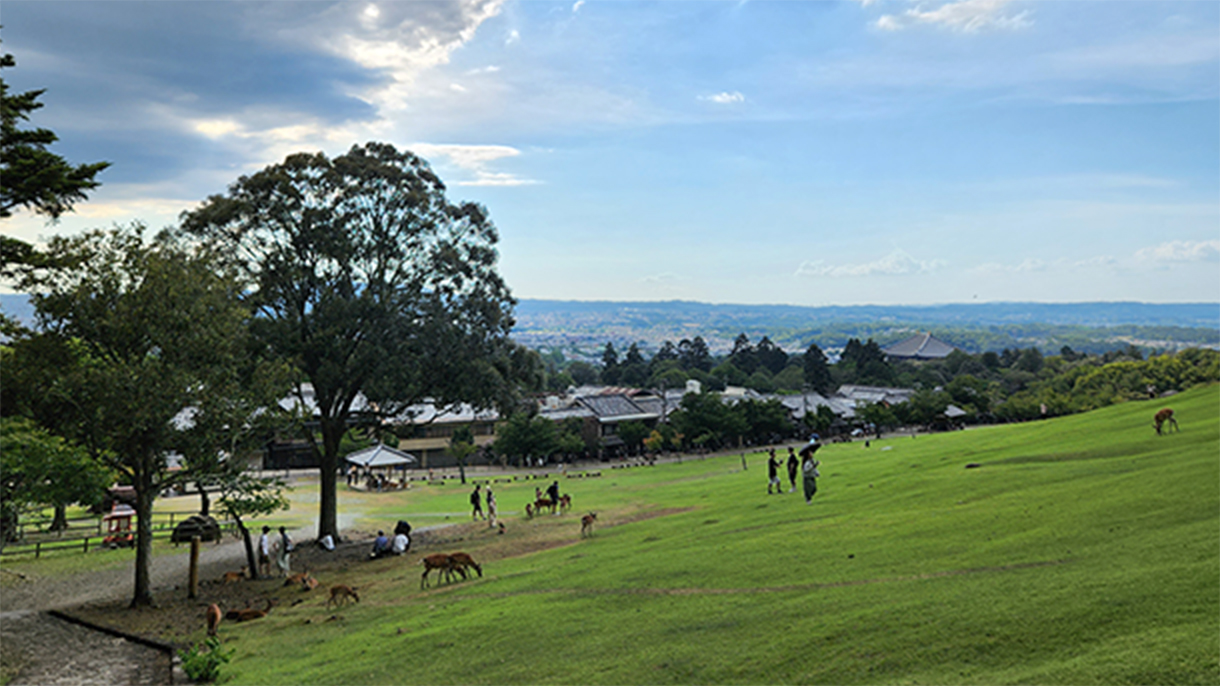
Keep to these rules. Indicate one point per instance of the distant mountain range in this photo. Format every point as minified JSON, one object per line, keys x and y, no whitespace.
{"x":581,"y":326}
{"x":581,"y":329}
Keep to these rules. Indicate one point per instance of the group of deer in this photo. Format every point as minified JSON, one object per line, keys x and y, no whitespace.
{"x":339,"y":594}
{"x":543,"y":503}
{"x":244,"y":615}
{"x":449,"y":564}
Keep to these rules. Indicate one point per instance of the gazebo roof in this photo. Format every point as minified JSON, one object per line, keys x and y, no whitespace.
{"x":380,"y":455}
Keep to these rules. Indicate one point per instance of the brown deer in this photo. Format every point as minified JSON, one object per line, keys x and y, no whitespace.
{"x":234,"y":577}
{"x":249,"y":613}
{"x":463,"y":561}
{"x":565,"y":503}
{"x":586,"y":524}
{"x":1165,"y":415}
{"x":439,"y":561}
{"x":213,"y":616}
{"x":541,"y":503}
{"x":298,"y":578}
{"x":340,"y":594}
{"x":529,"y":510}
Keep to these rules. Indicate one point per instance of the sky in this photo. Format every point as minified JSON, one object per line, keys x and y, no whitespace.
{"x":785,"y":152}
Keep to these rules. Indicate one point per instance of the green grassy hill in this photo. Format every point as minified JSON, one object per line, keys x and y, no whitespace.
{"x":1082,"y":550}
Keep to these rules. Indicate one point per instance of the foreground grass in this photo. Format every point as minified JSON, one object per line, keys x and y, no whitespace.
{"x":1082,"y":550}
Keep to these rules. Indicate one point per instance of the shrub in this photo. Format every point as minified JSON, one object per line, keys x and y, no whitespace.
{"x":202,"y":662}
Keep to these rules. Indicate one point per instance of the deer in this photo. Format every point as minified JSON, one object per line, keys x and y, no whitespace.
{"x":234,"y":577}
{"x":1165,"y":415}
{"x":442,"y":562}
{"x":213,"y":617}
{"x":340,"y":594}
{"x":541,"y":503}
{"x":529,"y":510}
{"x":249,"y":613}
{"x":565,"y":503}
{"x":586,"y":524}
{"x":463,"y":561}
{"x":298,"y":578}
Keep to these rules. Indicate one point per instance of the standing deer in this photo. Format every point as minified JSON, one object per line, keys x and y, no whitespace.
{"x":442,"y":562}
{"x":1165,"y":415}
{"x":462,"y":561}
{"x":213,"y":616}
{"x":586,"y":524}
{"x":340,"y":594}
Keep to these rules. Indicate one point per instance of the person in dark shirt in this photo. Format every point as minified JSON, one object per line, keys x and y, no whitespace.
{"x":476,"y":502}
{"x":794,"y":464}
{"x":773,"y":473}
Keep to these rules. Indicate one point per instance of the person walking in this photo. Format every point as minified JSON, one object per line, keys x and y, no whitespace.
{"x":491,"y":508}
{"x":773,"y":473}
{"x":793,"y":465}
{"x":283,"y":553}
{"x":809,"y":470}
{"x":264,"y":552}
{"x":476,"y":503}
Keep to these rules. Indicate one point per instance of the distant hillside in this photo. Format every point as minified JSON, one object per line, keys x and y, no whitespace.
{"x":585,"y":326}
{"x":581,"y":329}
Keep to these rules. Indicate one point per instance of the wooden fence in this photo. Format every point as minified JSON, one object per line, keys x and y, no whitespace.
{"x":88,"y":533}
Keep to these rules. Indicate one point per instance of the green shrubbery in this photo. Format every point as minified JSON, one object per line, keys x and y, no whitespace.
{"x":202,"y":662}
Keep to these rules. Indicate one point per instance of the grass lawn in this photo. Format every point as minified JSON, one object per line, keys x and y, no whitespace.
{"x":1083,"y":550}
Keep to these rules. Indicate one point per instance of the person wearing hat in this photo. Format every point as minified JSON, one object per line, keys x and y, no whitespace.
{"x":809,"y":470}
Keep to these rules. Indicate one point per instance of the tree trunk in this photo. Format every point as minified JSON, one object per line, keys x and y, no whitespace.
{"x":60,"y":522}
{"x":251,"y":561}
{"x":328,"y":520}
{"x":204,"y":502}
{"x":462,"y":471}
{"x":145,"y":493}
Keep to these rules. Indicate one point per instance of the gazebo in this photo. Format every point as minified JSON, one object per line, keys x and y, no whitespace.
{"x":380,"y":456}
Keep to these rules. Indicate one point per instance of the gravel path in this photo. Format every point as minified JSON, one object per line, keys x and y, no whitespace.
{"x":44,"y":650}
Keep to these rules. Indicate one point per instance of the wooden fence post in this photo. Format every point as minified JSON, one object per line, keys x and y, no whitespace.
{"x":37,"y":550}
{"x":86,"y":544}
{"x":193,"y":588}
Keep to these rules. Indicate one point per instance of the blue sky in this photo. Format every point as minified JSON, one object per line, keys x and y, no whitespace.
{"x":811,"y":153}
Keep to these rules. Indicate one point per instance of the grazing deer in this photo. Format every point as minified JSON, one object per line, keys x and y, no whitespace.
{"x":234,"y":577}
{"x":439,"y":561}
{"x":541,"y":503}
{"x":462,"y":561}
{"x":1165,"y":415}
{"x":340,"y":594}
{"x":529,"y":511}
{"x":249,"y":613}
{"x":565,"y":503}
{"x":213,"y":616}
{"x":586,"y":524}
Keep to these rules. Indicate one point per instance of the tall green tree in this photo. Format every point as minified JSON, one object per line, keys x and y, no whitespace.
{"x":817,"y":370}
{"x":378,"y":289}
{"x":160,"y":329}
{"x":461,"y":447}
{"x":34,"y":177}
{"x":38,"y":469}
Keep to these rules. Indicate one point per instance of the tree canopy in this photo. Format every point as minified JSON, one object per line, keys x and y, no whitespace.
{"x":378,"y":289}
{"x":34,"y":177}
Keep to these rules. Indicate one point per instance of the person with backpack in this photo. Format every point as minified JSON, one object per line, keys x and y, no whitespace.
{"x":476,"y":502}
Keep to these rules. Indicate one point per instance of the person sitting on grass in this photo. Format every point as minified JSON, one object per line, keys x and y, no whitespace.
{"x":381,"y":546}
{"x":400,"y":545}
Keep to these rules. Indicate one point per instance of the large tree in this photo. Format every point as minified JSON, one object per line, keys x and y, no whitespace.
{"x":376,"y":287}
{"x":154,"y":328}
{"x":39,"y":469}
{"x":33,"y":177}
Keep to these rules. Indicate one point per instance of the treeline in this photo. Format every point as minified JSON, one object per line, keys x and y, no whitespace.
{"x":1011,"y":384}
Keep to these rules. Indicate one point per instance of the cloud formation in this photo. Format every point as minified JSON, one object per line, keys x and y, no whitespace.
{"x":724,"y":98}
{"x":474,"y":159}
{"x":897,"y":262}
{"x":965,"y":16}
{"x":1181,"y":251}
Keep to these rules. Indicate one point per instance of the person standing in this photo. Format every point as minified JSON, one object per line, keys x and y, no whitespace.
{"x":491,"y":508}
{"x":283,"y":553}
{"x":773,"y":473}
{"x":793,"y":465}
{"x":476,"y":503}
{"x":552,"y":492}
{"x":264,"y":552}
{"x":809,"y":469}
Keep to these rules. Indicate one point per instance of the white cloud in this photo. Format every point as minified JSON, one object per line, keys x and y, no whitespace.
{"x":475,"y":159}
{"x":1181,"y":251}
{"x":897,"y":262}
{"x":1032,"y":265}
{"x":489,"y":69}
{"x":457,"y":88}
{"x":513,"y":37}
{"x":724,"y":98}
{"x":576,"y":7}
{"x":966,"y":16}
